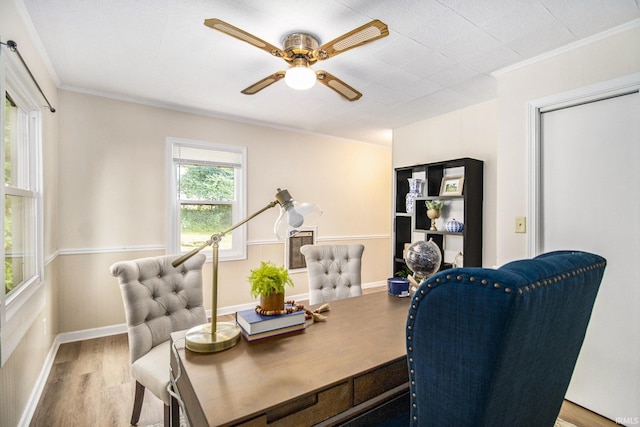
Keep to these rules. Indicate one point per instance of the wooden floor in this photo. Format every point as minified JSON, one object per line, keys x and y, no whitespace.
{"x":90,"y":385}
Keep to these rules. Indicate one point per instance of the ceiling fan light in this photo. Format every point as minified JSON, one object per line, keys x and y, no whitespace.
{"x":300,"y":77}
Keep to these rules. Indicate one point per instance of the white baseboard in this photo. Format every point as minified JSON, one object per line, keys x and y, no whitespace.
{"x":63,"y":338}
{"x":87,"y":334}
{"x":300,"y":297}
{"x":374,"y":285}
{"x":41,"y":382}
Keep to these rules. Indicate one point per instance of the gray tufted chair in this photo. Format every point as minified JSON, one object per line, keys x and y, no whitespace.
{"x":158,"y":300}
{"x":334,"y":271}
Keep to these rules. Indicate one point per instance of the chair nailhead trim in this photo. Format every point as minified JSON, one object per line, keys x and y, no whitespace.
{"x":519,"y":292}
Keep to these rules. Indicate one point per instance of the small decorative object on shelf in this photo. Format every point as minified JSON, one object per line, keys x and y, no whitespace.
{"x":424,"y":259}
{"x":433,"y":212}
{"x":454,"y":226}
{"x":452,"y":185}
{"x":458,"y":261}
{"x":415,"y":190}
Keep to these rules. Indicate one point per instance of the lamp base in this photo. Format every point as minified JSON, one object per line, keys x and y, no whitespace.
{"x":199,"y":339}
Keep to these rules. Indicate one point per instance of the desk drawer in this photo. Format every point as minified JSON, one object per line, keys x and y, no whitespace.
{"x":308,"y":410}
{"x":374,"y":383}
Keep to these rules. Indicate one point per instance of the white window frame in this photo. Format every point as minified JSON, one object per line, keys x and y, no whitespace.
{"x":20,"y":309}
{"x":239,"y":212}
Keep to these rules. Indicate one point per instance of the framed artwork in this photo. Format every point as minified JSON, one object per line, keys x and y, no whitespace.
{"x":294,"y":260}
{"x":452,"y":185}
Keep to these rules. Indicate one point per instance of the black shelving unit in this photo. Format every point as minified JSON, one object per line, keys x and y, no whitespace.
{"x":470,"y":204}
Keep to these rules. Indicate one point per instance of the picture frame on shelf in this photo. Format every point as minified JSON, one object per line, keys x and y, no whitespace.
{"x":452,"y":185}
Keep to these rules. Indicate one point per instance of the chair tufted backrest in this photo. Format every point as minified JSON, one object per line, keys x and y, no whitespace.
{"x":159,"y":299}
{"x":498,"y":347}
{"x":334,"y":271}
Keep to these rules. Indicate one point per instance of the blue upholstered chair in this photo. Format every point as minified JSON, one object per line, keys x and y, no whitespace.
{"x":498,"y":347}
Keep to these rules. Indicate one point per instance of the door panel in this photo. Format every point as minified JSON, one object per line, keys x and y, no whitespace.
{"x":590,"y":200}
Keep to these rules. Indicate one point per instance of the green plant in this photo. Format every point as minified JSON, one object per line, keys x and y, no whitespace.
{"x":403,"y":272}
{"x":434,"y":204}
{"x":269,"y":278}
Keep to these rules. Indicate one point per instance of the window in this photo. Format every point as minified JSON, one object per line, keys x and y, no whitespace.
{"x":207,"y":188}
{"x":21,"y":205}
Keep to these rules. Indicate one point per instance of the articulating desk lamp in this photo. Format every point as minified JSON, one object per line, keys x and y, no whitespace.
{"x":217,"y":336}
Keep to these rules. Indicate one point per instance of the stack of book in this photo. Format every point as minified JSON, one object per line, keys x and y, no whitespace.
{"x":254,"y":326}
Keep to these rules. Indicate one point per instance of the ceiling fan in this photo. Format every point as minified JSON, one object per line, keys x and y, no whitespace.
{"x":301,"y":50}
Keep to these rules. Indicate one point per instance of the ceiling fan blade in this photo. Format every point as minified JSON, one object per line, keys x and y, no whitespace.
{"x":374,"y":30}
{"x":338,"y":85}
{"x":236,"y":32}
{"x":267,"y":81}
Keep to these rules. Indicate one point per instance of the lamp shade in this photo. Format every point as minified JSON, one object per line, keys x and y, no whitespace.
{"x":294,"y":214}
{"x":300,"y":77}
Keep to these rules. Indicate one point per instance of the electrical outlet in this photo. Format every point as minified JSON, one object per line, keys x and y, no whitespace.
{"x":521,"y":224}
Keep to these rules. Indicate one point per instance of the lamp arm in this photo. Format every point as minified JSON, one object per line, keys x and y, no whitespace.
{"x":218,"y":236}
{"x":247,"y":219}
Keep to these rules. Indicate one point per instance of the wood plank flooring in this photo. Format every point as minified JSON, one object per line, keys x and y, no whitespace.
{"x":90,"y":385}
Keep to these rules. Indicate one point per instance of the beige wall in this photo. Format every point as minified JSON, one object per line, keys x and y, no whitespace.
{"x":113,"y":186}
{"x":470,"y":132}
{"x":104,"y":187}
{"x":20,"y":372}
{"x":496,"y":131}
{"x":612,"y":57}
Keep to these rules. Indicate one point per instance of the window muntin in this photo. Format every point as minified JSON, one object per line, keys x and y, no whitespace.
{"x":208,"y":182}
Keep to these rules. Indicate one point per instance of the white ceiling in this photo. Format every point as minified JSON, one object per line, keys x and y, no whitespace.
{"x":438,"y":57}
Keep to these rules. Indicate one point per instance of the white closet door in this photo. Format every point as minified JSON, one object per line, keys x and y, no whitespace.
{"x":590,"y":158}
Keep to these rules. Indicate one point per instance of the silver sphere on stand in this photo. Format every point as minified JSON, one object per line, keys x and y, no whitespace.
{"x":424,"y":258}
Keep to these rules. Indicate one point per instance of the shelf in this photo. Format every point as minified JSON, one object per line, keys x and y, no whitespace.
{"x":442,"y":232}
{"x":466,"y":208}
{"x":443,"y":198}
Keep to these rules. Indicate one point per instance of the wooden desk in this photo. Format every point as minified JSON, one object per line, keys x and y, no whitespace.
{"x":331,"y":372}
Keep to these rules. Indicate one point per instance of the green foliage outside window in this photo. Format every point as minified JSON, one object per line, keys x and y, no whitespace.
{"x":8,"y":267}
{"x":199,"y":182}
{"x":199,"y":220}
